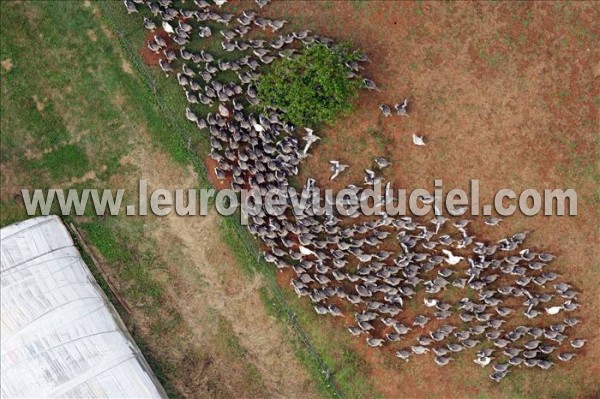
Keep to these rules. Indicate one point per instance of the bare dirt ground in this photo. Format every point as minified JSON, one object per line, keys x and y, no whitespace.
{"x":505,"y":93}
{"x":150,"y":57}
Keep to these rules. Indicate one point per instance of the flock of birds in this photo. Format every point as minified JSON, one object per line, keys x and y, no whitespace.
{"x":512,"y":307}
{"x":402,"y":110}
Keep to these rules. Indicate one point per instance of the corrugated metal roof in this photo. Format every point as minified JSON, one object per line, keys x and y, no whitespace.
{"x":60,"y":336}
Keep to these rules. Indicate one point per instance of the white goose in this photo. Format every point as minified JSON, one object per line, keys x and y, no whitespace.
{"x":451,"y":259}
{"x":553,"y":310}
{"x":418,"y":140}
{"x":168,"y":28}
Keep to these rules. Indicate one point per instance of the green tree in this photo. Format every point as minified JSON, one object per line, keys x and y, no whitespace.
{"x":312,"y":88}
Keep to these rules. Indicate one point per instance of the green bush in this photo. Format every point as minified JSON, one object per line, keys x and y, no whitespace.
{"x":312,"y":88}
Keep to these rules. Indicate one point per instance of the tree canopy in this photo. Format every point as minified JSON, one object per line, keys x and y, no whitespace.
{"x":311,"y":88}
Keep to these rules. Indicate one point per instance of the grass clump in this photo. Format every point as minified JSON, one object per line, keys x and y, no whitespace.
{"x":68,"y":160}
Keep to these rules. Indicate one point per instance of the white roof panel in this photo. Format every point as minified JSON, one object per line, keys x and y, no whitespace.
{"x":60,"y":336}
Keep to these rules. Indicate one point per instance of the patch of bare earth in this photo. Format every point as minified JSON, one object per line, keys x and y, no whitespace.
{"x":505,"y":93}
{"x":10,"y":186}
{"x":149,"y":56}
{"x":126,"y":67}
{"x":39,"y":104}
{"x":91,"y":35}
{"x":7,"y":64}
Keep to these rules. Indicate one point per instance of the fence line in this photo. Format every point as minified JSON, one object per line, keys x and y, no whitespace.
{"x":249,"y":244}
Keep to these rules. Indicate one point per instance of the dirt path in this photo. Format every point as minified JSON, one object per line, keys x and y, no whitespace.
{"x":235,"y":296}
{"x":205,"y":278}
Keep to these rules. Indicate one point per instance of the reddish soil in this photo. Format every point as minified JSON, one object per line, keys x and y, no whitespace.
{"x":505,"y":93}
{"x":150,"y":57}
{"x":212,"y":177}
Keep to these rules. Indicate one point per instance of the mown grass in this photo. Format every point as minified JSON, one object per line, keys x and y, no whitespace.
{"x":166,"y":95}
{"x":70,"y":107}
{"x":582,"y":169}
{"x":85,"y":95}
{"x":65,"y":161}
{"x":59,"y":121}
